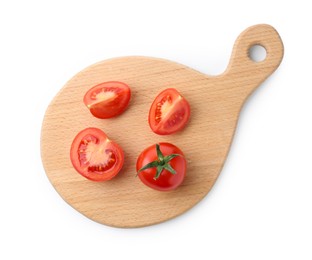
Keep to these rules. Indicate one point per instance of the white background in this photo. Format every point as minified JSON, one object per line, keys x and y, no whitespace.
{"x":261,"y":205}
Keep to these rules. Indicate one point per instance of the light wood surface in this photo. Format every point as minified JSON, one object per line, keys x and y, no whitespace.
{"x":215,"y":105}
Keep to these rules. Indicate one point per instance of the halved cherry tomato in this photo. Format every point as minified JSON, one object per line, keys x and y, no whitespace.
{"x":169,"y":112}
{"x":94,"y":156}
{"x":108,"y":99}
{"x":161,"y":167}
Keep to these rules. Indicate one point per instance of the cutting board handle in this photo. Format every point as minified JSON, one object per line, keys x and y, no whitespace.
{"x":246,"y":73}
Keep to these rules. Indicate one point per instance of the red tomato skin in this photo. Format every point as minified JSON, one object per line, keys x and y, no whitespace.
{"x":172,"y":125}
{"x":102,"y":137}
{"x":109,"y":108}
{"x":167,"y":181}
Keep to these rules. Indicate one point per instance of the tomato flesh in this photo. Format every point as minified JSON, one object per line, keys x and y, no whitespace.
{"x":94,"y":156}
{"x":167,"y":181}
{"x":108,"y":99}
{"x":169,"y":112}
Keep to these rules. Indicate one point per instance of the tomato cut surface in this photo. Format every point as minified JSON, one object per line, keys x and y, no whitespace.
{"x":108,"y":99}
{"x":94,"y":156}
{"x":161,"y":168}
{"x":169,"y":112}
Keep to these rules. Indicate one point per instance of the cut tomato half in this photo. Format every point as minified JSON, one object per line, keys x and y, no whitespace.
{"x":169,"y":112}
{"x":108,"y":99}
{"x":94,"y":156}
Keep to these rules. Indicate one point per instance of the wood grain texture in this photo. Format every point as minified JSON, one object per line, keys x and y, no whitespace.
{"x":215,"y":106}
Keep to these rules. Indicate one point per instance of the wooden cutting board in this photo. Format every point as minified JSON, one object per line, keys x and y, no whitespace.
{"x":215,"y":105}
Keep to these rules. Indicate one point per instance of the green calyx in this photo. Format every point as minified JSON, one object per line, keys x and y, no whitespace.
{"x":162,"y":163}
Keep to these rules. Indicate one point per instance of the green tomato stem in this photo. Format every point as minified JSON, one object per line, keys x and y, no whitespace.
{"x":162,"y":163}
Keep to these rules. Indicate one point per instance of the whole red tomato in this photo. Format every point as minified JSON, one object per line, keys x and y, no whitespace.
{"x":108,"y":99}
{"x":161,"y":167}
{"x":169,"y":112}
{"x":94,"y":156}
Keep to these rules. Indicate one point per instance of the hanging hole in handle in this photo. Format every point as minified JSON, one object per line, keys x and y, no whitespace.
{"x":257,"y":53}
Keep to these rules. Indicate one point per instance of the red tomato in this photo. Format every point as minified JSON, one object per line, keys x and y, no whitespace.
{"x":107,"y":99}
{"x":94,"y":156}
{"x":161,"y":167}
{"x":169,"y":112}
